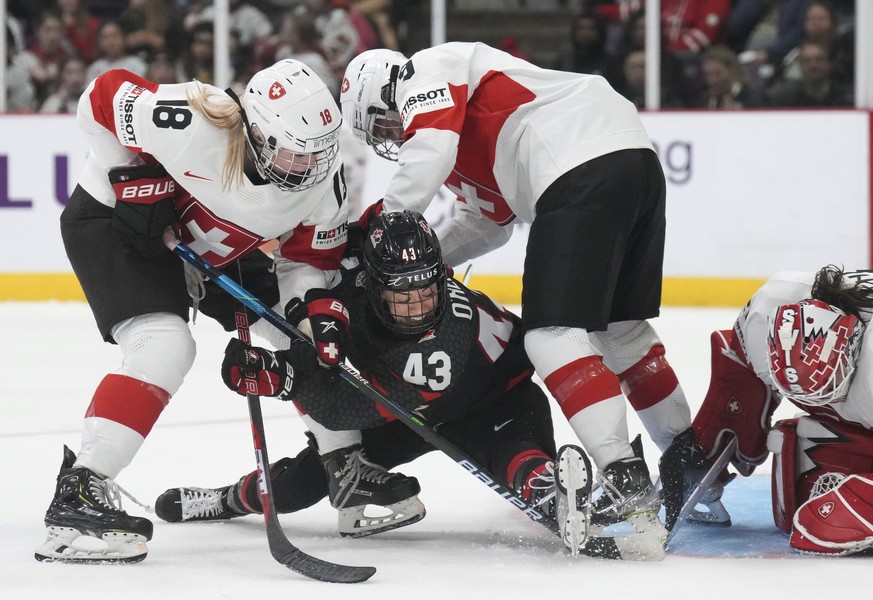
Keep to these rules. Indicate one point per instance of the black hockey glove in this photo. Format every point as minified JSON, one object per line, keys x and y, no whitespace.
{"x":145,"y":205}
{"x":326,"y":320}
{"x":253,"y":370}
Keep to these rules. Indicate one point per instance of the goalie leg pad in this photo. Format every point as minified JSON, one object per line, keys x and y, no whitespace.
{"x":737,"y":403}
{"x":838,"y":522}
{"x":807,"y":450}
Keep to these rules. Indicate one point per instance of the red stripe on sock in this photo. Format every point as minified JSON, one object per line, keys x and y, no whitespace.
{"x":582,"y":383}
{"x":128,"y":401}
{"x":650,"y":380}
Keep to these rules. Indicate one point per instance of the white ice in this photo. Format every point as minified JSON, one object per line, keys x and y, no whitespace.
{"x":472,"y":544}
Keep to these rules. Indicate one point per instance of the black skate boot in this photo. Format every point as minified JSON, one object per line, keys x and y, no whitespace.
{"x":187,"y":504}
{"x":682,"y":467}
{"x":87,"y":504}
{"x":628,"y":495}
{"x":354,"y":484}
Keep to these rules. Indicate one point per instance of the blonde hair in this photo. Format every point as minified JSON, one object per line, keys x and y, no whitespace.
{"x":221,"y":111}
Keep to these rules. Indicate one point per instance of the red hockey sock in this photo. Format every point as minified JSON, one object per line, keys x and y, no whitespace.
{"x":582,"y":383}
{"x":650,"y":380}
{"x":129,"y":402}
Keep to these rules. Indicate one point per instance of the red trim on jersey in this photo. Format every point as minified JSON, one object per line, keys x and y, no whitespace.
{"x":650,"y":380}
{"x":448,"y":119}
{"x":582,"y":383}
{"x":102,"y":95}
{"x":379,"y":408}
{"x":299,"y":249}
{"x":129,"y":402}
{"x":518,"y":379}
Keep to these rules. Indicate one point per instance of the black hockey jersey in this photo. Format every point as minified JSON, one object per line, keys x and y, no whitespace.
{"x":469,"y":359}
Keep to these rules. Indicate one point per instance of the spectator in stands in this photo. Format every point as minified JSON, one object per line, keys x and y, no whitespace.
{"x":162,"y":70}
{"x":299,"y":39}
{"x":821,"y":24}
{"x":20,"y":95}
{"x":71,"y":84}
{"x":632,"y":82}
{"x":816,"y":86}
{"x":152,"y":26}
{"x":44,"y":58}
{"x":113,"y":53}
{"x":378,"y":14}
{"x":585,"y":52}
{"x":725,"y":82}
{"x":339,"y":37}
{"x":692,"y":26}
{"x":197,"y":59}
{"x":248,"y":24}
{"x":80,"y":27}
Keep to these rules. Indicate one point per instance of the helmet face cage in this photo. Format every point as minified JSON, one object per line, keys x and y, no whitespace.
{"x":406,"y":277}
{"x":813,"y":348}
{"x":292,"y":126}
{"x":368,"y":101}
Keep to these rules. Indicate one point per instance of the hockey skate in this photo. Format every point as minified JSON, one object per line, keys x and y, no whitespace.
{"x":86,"y":508}
{"x":363,"y":493}
{"x":178,"y":505}
{"x":573,"y":497}
{"x":682,"y":467}
{"x":629,"y":496}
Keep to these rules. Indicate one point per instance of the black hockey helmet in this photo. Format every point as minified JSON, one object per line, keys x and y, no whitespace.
{"x":406,"y":277}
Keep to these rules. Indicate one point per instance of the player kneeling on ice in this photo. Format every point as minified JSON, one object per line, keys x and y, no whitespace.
{"x":426,"y":341}
{"x":802,"y":337}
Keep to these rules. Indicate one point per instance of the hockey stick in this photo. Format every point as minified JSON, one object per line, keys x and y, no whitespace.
{"x":280,"y":547}
{"x":603,"y":547}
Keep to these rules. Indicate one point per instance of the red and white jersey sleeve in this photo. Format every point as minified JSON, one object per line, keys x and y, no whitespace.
{"x":129,"y":119}
{"x":752,"y":327}
{"x":498,"y":130}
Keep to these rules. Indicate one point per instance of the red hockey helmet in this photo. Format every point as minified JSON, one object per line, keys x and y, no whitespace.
{"x":813,"y":347}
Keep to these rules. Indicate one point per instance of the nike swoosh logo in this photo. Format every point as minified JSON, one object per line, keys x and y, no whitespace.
{"x":502,"y":425}
{"x":193,"y":176}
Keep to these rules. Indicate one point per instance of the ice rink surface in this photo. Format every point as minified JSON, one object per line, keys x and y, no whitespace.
{"x":471,"y":545}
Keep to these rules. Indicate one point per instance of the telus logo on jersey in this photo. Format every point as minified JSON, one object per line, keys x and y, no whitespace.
{"x":330,"y":238}
{"x":124,"y":114}
{"x":425,"y":100}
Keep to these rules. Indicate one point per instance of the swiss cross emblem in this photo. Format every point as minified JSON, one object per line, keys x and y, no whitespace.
{"x":826,"y":509}
{"x":276,"y":91}
{"x":734,"y":407}
{"x":346,"y":85}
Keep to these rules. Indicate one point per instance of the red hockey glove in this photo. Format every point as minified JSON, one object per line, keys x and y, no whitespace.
{"x":253,"y":370}
{"x":145,"y":206}
{"x":326,"y":320}
{"x":370,"y":213}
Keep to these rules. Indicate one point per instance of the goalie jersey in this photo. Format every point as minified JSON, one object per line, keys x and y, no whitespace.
{"x":752,"y":327}
{"x":129,"y":120}
{"x":471,"y":357}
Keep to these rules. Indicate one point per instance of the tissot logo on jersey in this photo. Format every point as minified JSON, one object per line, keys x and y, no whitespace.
{"x":126,"y":97}
{"x":425,"y":100}
{"x":330,"y":238}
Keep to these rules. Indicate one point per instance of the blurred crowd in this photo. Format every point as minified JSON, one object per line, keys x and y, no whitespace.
{"x":721,"y":54}
{"x":716,"y":54}
{"x":55,"y":47}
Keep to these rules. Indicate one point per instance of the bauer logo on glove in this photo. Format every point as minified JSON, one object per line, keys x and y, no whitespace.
{"x":325,"y":320}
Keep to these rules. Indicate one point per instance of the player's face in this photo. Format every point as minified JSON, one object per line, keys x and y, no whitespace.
{"x":409,"y":308}
{"x":388,"y":128}
{"x":287,"y":163}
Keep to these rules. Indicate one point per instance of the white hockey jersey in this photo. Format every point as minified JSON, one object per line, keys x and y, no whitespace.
{"x":498,"y":130}
{"x":752,"y":327}
{"x":128,"y":119}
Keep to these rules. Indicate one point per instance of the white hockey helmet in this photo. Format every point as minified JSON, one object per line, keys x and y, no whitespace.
{"x":292,"y":125}
{"x":369,"y":105}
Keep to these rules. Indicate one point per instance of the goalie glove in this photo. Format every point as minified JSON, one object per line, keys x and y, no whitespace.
{"x":252,"y":370}
{"x":325,"y":320}
{"x":145,"y":205}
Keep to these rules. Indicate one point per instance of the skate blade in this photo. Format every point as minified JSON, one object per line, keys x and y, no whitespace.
{"x":355,"y":523}
{"x":574,"y":482}
{"x":66,"y":544}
